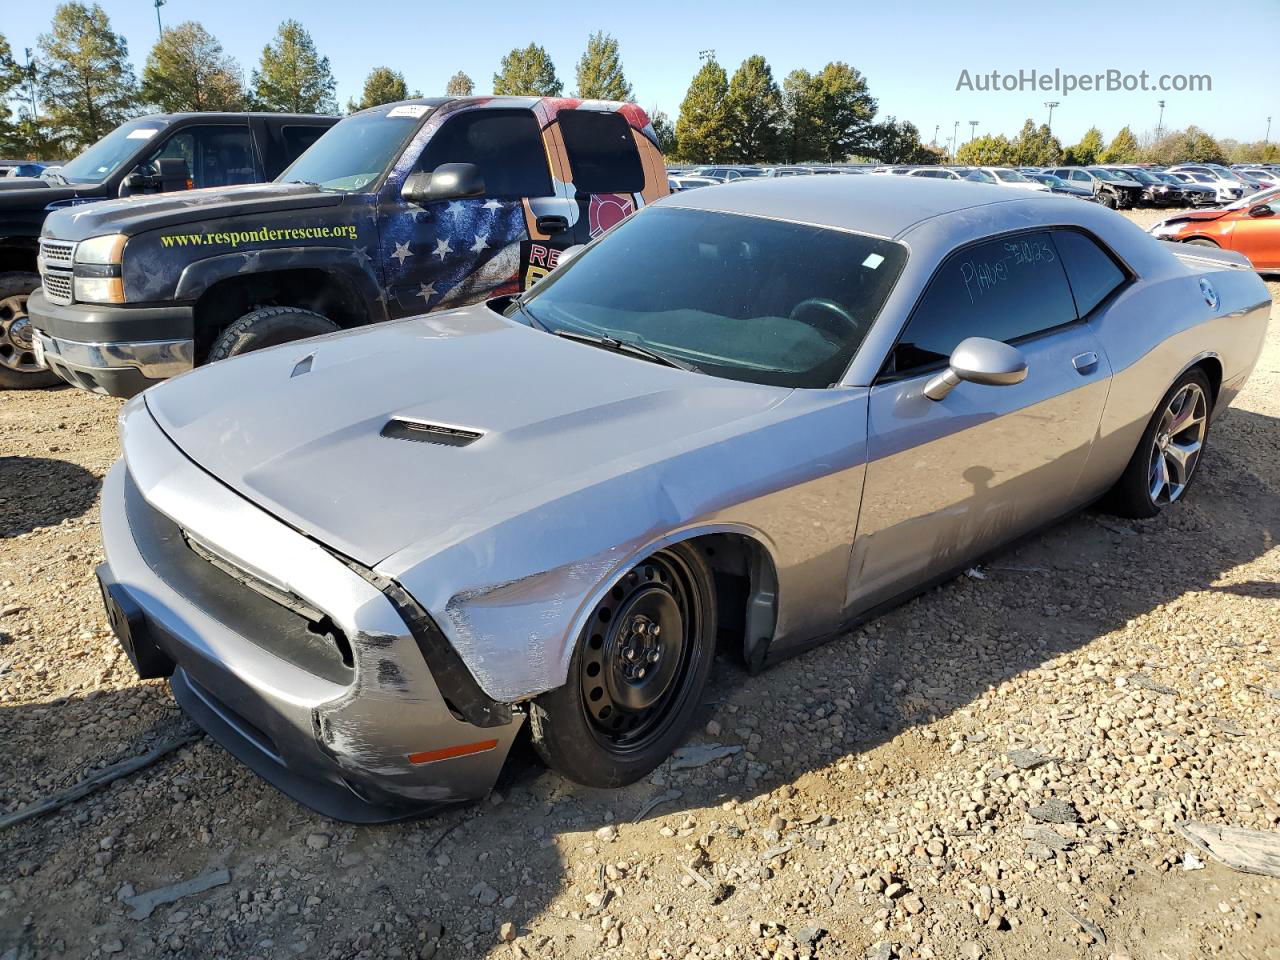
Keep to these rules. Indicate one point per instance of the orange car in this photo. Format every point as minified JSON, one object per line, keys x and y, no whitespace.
{"x":1250,"y":226}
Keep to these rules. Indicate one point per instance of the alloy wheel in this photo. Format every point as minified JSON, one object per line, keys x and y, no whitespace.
{"x":16,"y":347}
{"x":1175,"y":449}
{"x":635,"y":662}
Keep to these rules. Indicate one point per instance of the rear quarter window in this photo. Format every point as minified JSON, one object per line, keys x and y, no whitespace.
{"x":602,"y":152}
{"x":1093,"y":273}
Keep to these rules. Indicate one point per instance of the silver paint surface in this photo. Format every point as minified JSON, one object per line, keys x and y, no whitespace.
{"x":591,"y":460}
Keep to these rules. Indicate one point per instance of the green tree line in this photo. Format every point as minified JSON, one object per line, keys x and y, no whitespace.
{"x":81,"y":84}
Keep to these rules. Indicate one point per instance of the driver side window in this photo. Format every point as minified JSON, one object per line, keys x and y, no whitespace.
{"x":505,"y":145}
{"x":1002,"y":289}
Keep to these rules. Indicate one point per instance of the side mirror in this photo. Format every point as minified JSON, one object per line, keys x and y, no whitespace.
{"x":569,"y":253}
{"x":172,"y":174}
{"x":1261,"y":210}
{"x":165,"y":175}
{"x":979,"y":360}
{"x":449,"y":181}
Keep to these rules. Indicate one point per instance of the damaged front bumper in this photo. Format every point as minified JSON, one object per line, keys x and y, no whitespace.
{"x":294,"y":661}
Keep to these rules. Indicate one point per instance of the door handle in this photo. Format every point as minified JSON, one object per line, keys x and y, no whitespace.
{"x":552,"y":224}
{"x":1085,"y":362}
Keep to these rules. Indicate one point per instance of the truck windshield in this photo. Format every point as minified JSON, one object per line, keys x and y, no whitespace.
{"x":356,"y":151}
{"x":111,"y":152}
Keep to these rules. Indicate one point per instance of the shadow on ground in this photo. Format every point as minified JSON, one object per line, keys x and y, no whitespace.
{"x":40,"y":492}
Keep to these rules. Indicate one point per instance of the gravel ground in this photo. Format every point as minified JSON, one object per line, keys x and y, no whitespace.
{"x":992,"y":770}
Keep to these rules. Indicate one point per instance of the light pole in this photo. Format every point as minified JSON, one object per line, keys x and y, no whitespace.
{"x":31,"y":83}
{"x":1160,"y":122}
{"x":1266,"y":140}
{"x":955,"y":139}
{"x":1051,"y":104}
{"x":936,"y":127}
{"x":703,"y":55}
{"x":973,"y":128}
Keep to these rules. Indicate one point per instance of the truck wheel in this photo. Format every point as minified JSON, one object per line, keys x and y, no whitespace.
{"x":1108,"y":200}
{"x":637,"y":674}
{"x":268,"y":327}
{"x":18,"y":367}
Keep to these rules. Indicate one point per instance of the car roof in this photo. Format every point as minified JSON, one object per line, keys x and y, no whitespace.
{"x":499,"y":101}
{"x":881,"y":206}
{"x":234,"y":115}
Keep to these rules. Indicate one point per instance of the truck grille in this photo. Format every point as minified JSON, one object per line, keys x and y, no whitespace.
{"x":57,"y":287}
{"x":57,"y":253}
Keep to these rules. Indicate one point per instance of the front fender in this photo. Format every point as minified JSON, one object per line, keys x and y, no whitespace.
{"x":350,"y":265}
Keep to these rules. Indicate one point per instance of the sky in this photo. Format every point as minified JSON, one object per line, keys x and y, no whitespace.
{"x":912,"y":53}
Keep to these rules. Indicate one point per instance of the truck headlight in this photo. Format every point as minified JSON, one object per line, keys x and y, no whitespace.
{"x":97,"y":269}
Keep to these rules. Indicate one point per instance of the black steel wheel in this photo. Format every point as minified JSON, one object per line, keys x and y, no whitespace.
{"x":636,"y":674}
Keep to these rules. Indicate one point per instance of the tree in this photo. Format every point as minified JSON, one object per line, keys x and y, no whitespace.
{"x":987,"y":151}
{"x":828,"y":114}
{"x":383,"y":85}
{"x":754,"y":113}
{"x":527,"y":73}
{"x":1200,"y":147}
{"x":291,"y":76}
{"x":460,"y":85}
{"x":1036,"y":146}
{"x":894,"y":141}
{"x":10,"y":78}
{"x":1123,"y":149}
{"x":1087,"y":151}
{"x":87,"y":81}
{"x":702,"y":129}
{"x":801,"y":123}
{"x":665,"y":131}
{"x":187,"y":70}
{"x":600,"y":70}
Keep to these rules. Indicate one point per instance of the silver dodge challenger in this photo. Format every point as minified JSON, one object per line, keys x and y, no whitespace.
{"x":748,"y":416}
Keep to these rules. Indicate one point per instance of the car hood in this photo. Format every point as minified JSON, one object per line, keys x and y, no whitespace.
{"x":298,"y":429}
{"x":134,"y":215}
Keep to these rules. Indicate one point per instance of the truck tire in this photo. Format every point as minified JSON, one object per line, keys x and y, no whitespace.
{"x":1108,"y":200}
{"x":18,"y":368}
{"x":268,"y":327}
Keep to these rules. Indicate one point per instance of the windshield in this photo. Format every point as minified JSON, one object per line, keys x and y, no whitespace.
{"x":981,"y":176}
{"x":355,"y":152}
{"x":1011,"y":176}
{"x":1125,"y":175}
{"x":107,"y":155}
{"x":750,"y":172}
{"x":738,"y":297}
{"x":1103,"y":174}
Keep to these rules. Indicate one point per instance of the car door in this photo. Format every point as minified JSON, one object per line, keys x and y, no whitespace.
{"x":455,"y":252}
{"x":948,"y":480}
{"x":1257,"y":236}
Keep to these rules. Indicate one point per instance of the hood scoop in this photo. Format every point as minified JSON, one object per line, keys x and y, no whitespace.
{"x":398,"y":428}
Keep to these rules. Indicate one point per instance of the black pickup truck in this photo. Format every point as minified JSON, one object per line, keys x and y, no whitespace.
{"x":398,"y":210}
{"x":176,"y":151}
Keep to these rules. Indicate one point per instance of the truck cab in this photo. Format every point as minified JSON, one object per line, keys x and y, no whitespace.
{"x":154,"y":154}
{"x":398,"y":210}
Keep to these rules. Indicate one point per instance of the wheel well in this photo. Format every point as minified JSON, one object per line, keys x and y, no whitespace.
{"x":1212,"y":368}
{"x":1203,"y":240}
{"x":18,"y":258}
{"x":746,"y":592}
{"x":320,"y":291}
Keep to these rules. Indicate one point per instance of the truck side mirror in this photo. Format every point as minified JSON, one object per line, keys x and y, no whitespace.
{"x":172,"y":174}
{"x":449,"y":181}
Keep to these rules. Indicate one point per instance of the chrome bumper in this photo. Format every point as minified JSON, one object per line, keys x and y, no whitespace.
{"x":118,"y":369}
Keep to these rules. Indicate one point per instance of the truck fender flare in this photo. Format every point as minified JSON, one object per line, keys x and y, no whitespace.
{"x":347,"y":264}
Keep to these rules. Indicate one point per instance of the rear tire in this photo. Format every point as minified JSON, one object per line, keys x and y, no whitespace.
{"x":18,"y":368}
{"x":637,"y":674}
{"x":268,"y":327}
{"x":1164,"y":464}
